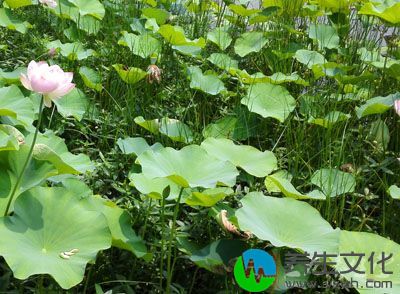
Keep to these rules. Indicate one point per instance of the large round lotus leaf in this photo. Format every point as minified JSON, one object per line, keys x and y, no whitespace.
{"x":208,"y":83}
{"x":281,"y":182}
{"x":154,"y":187}
{"x":309,"y":58}
{"x":10,"y":138}
{"x":119,"y":223}
{"x":90,"y":7}
{"x":191,"y":166}
{"x":160,"y":15}
{"x":325,"y":35}
{"x":74,"y":104}
{"x":10,"y":21}
{"x":377,"y":105}
{"x":11,"y":163}
{"x":223,"y":61}
{"x":172,"y":128}
{"x":46,"y":223}
{"x":286,"y":222}
{"x":386,"y":10}
{"x":220,"y":37}
{"x":136,"y":145}
{"x":269,"y":100}
{"x":18,"y":3}
{"x":252,"y":160}
{"x":219,"y":254}
{"x":131,"y":75}
{"x":14,"y":104}
{"x":142,"y":45}
{"x":208,"y":197}
{"x":333,"y":182}
{"x":175,"y":35}
{"x":250,"y":42}
{"x":91,"y":78}
{"x":51,"y":148}
{"x":72,"y":51}
{"x":368,"y":244}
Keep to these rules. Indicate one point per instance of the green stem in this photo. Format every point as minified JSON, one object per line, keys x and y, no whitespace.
{"x":171,"y":238}
{"x":162,"y":241}
{"x":27,"y":161}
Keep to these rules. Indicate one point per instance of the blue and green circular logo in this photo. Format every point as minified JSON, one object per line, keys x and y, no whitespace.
{"x":255,"y":270}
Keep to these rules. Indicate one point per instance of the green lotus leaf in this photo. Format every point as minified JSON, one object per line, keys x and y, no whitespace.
{"x":191,"y":166}
{"x":250,"y":42}
{"x":377,"y":105}
{"x":12,"y":77}
{"x":242,"y":11}
{"x":379,"y":134}
{"x":369,"y":245}
{"x":119,"y":223}
{"x":330,"y":119}
{"x":14,"y":104}
{"x":131,"y":75}
{"x":270,"y":183}
{"x":277,"y":78}
{"x":11,"y":163}
{"x":72,"y":51}
{"x":85,"y":19}
{"x":154,"y":187}
{"x":44,"y":226}
{"x":223,"y":61}
{"x":222,"y":128}
{"x":208,"y":83}
{"x":220,"y":37}
{"x":334,"y":182}
{"x":309,"y":58}
{"x":18,"y":3}
{"x":208,"y":197}
{"x":172,"y":128}
{"x":9,"y":21}
{"x":51,"y":148}
{"x":394,"y":192}
{"x":90,"y":7}
{"x":193,"y":51}
{"x":10,"y":138}
{"x":77,"y":187}
{"x":386,"y":10}
{"x":269,"y":100}
{"x":287,"y":222}
{"x":218,"y":255}
{"x":336,"y":5}
{"x":74,"y":104}
{"x":252,"y":160}
{"x":143,"y":45}
{"x":136,"y":145}
{"x":160,"y":15}
{"x":281,"y":182}
{"x":175,"y":35}
{"x":325,"y":35}
{"x":91,"y":78}
{"x":235,"y":127}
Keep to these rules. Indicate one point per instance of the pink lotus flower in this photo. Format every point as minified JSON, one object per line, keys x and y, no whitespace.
{"x":49,"y":3}
{"x":50,"y":81}
{"x":397,"y":106}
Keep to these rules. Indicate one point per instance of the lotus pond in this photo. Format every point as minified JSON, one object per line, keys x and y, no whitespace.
{"x":146,"y":145}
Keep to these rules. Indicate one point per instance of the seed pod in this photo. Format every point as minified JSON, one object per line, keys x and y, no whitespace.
{"x":64,"y":256}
